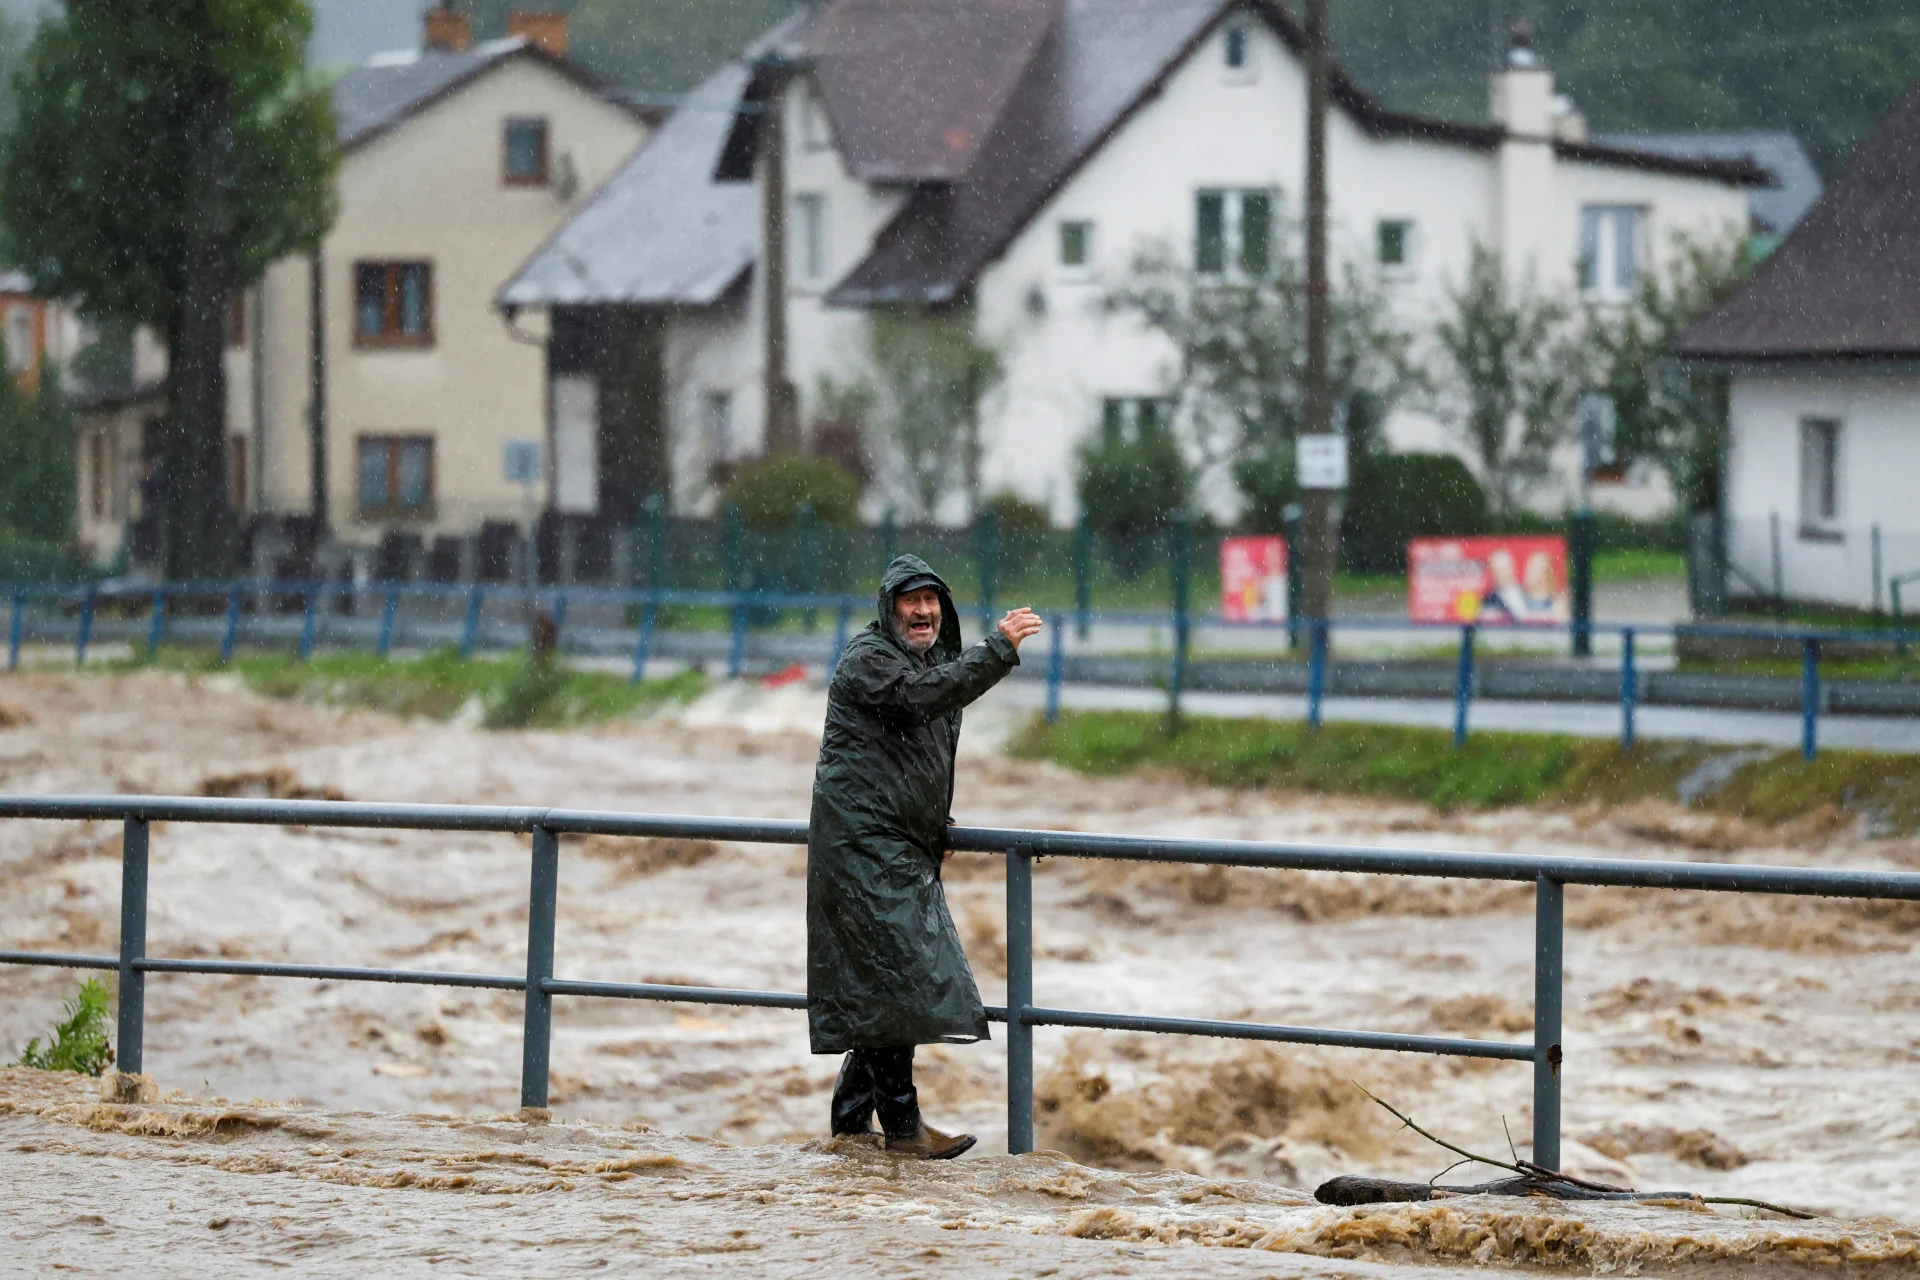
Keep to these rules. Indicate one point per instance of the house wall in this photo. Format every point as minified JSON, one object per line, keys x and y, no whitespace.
{"x":1879,"y":454}
{"x":429,"y":190}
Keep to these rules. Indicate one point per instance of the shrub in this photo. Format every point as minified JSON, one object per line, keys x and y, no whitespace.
{"x":1392,"y":497}
{"x":1133,"y":479}
{"x":79,"y":1042}
{"x":1022,"y":527}
{"x":771,"y":492}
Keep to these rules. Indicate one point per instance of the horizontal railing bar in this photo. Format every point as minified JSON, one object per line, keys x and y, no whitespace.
{"x":1620,"y":872}
{"x":256,"y":969}
{"x":56,"y":961}
{"x":1038,"y":1017}
{"x":687,"y":995}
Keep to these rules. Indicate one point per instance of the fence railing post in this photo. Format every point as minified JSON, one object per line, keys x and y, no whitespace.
{"x":389,"y":615}
{"x":559,"y":624}
{"x":230,"y":637}
{"x":1056,"y":667}
{"x":536,"y":1044}
{"x":1463,"y":687}
{"x":1877,"y":576}
{"x":1809,"y":697}
{"x":1629,"y":689}
{"x":1082,"y":575}
{"x":643,"y":640}
{"x":309,"y":620}
{"x":1019,"y":1000}
{"x":16,"y":627}
{"x":1316,"y":673}
{"x":130,"y":1053}
{"x":1548,"y":977}
{"x":470,"y":629}
{"x":737,"y":646}
{"x":157,"y":621}
{"x":83,"y":634}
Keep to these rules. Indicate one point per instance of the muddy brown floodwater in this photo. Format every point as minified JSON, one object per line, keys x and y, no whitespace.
{"x":1741,"y":1046}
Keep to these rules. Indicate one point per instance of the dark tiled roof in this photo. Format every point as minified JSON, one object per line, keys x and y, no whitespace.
{"x":1099,"y":62}
{"x":1793,"y":183}
{"x":388,"y":88}
{"x":661,"y":230}
{"x":914,"y":86}
{"x":1846,"y":283}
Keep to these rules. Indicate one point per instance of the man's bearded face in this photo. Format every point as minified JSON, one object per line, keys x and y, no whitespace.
{"x":916,"y":618}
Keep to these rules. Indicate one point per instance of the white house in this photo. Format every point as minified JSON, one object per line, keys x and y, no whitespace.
{"x":1012,"y":158}
{"x":1821,"y":479}
{"x":372,"y":388}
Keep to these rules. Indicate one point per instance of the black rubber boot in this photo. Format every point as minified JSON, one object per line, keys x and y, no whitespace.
{"x":894,"y":1096}
{"x":853,"y":1096}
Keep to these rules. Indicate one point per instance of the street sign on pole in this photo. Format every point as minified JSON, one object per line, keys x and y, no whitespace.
{"x":1321,"y":461}
{"x":521,"y":461}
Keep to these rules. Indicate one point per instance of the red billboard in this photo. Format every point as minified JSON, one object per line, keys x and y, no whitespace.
{"x":1493,"y":581}
{"x":1253,"y":579}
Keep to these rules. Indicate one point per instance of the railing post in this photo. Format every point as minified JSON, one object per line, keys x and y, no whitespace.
{"x":643,"y":640}
{"x":1877,"y":576}
{"x":1316,"y":672}
{"x":17,"y":626}
{"x":1019,"y":1000}
{"x":842,"y":622}
{"x":1809,"y":697}
{"x":130,"y":1054}
{"x":537,"y":1039}
{"x":83,"y":635}
{"x":1893,"y":594}
{"x":231,"y":636}
{"x":1056,"y":667}
{"x":737,"y":647}
{"x":1548,"y":976}
{"x":1629,"y":688}
{"x":389,"y":615}
{"x":1463,"y":687}
{"x":309,"y":619}
{"x":559,"y":623}
{"x":1082,"y":574}
{"x":157,"y":622}
{"x":1179,"y":563}
{"x":470,"y":629}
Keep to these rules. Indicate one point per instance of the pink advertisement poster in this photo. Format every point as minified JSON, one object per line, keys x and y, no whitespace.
{"x":1253,"y":579}
{"x":1494,"y":581}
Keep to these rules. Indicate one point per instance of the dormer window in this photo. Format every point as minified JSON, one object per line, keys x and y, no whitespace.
{"x":525,"y":147}
{"x":1233,"y":46}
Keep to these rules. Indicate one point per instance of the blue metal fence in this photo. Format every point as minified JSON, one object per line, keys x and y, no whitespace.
{"x":1548,"y":875}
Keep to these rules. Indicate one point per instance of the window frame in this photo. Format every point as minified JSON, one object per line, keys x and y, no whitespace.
{"x":390,"y":334}
{"x":1820,"y":444}
{"x":716,"y":424}
{"x":544,"y":176}
{"x":394,"y":444}
{"x":1597,"y":258}
{"x":1236,"y":51}
{"x":1231,"y":239}
{"x":1408,"y":262}
{"x":1068,"y":229}
{"x":813,"y":254}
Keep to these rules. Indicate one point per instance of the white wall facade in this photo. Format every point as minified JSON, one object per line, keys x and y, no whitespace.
{"x":1772,"y":540}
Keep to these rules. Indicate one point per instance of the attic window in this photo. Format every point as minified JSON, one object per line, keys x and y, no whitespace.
{"x":1235,"y":51}
{"x":526,"y":152}
{"x":1076,"y":247}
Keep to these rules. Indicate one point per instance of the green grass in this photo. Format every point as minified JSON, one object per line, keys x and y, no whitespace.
{"x":1637,"y":565}
{"x":438,"y":685}
{"x":1492,"y":770}
{"x":80,"y":1040}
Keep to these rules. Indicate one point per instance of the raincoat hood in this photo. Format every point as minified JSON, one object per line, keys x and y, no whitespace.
{"x":912,"y":569}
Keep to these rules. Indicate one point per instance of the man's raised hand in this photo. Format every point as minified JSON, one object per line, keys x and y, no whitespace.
{"x":1019,"y":624}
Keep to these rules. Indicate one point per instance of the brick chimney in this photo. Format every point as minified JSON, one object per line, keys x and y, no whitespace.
{"x":447,"y":30}
{"x":546,"y":30}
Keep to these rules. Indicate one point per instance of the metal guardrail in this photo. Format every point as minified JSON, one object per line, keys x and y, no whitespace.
{"x":1548,"y":875}
{"x":316,"y":621}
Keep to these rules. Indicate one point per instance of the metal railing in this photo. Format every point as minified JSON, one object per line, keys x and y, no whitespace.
{"x":1548,"y":875}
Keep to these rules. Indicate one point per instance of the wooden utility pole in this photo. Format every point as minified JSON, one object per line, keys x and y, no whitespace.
{"x":783,"y":399}
{"x":1321,"y":531}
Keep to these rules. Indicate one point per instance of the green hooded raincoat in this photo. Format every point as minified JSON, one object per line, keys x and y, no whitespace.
{"x":884,"y":964}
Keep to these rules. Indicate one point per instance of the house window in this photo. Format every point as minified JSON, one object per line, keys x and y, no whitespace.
{"x":99,"y":475}
{"x":1234,"y":52}
{"x":719,"y":425}
{"x":525,"y":147}
{"x":395,"y":475}
{"x":393,"y":304}
{"x":1610,"y":250}
{"x":1394,"y":241}
{"x":1819,"y":477}
{"x":1076,"y":247}
{"x":1123,"y":418}
{"x":813,"y":250}
{"x":1233,"y":232}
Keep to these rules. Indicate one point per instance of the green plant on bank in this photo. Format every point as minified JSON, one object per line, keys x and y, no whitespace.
{"x":441,"y":684}
{"x":1491,"y":770}
{"x":771,"y":493}
{"x":80,"y":1040}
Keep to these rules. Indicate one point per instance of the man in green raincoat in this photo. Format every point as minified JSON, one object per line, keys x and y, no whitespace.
{"x":885,"y":971}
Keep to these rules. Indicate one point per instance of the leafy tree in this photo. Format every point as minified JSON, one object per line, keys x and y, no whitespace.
{"x":1133,"y":478}
{"x":37,"y":481}
{"x":1667,"y":415}
{"x":932,"y":374}
{"x":166,"y":152}
{"x":1394,"y":497}
{"x":1242,"y":341}
{"x":771,"y":492}
{"x":1509,"y":370}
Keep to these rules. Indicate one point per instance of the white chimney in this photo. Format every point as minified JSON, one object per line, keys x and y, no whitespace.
{"x":1523,"y":105}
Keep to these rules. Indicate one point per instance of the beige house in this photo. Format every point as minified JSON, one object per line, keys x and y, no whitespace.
{"x":385,"y":438}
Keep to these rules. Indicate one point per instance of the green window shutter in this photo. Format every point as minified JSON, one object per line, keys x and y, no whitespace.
{"x":1210,"y":233}
{"x":1256,"y":232}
